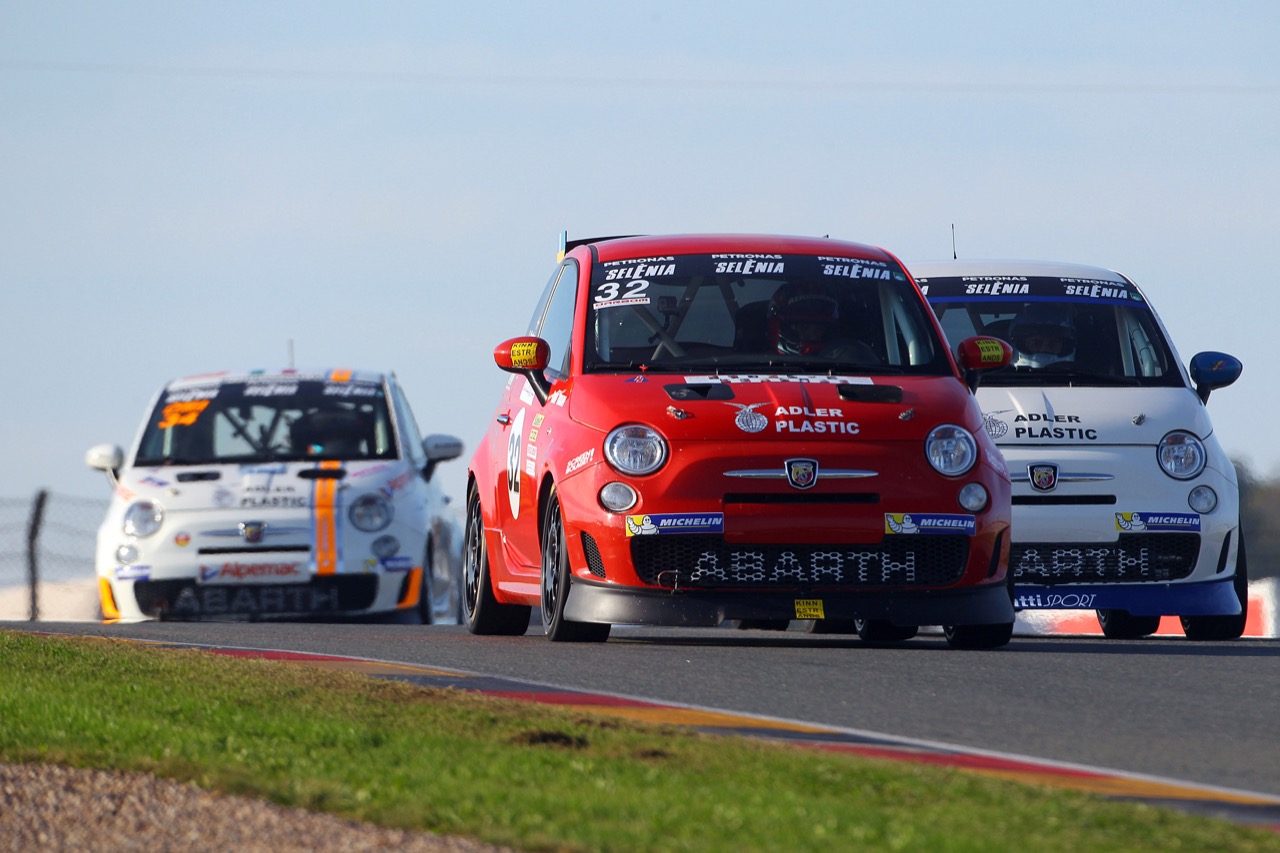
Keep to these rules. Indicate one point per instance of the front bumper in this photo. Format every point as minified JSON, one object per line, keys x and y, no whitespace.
{"x":1210,"y":598}
{"x":606,"y":603}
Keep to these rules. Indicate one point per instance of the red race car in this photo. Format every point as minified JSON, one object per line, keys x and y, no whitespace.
{"x":703,"y":428}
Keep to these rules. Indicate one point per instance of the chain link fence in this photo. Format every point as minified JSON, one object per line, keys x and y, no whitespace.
{"x":46,"y":557}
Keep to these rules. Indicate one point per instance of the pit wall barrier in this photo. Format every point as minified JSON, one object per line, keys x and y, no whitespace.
{"x":1261,"y":622}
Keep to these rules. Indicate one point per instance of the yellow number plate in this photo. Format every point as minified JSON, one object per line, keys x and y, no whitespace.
{"x":809,"y":608}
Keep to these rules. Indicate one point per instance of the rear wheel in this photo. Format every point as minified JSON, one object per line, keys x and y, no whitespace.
{"x":484,"y":614}
{"x":978,"y":636}
{"x":884,"y":631}
{"x":1123,"y":625}
{"x":1207,"y":628}
{"x":556,"y":581}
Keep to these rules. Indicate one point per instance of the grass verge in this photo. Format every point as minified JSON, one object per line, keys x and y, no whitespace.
{"x":524,"y":775}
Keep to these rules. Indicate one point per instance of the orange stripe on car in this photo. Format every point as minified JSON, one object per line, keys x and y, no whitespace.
{"x":324,"y":514}
{"x":340,"y":376}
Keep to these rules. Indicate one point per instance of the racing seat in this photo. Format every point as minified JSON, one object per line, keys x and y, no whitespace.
{"x":328,"y":433}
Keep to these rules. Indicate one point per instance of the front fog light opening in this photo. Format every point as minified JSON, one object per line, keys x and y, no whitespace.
{"x":618,"y":497}
{"x":385,"y":546}
{"x":1203,"y":500}
{"x":973,"y":497}
{"x":126,"y":555}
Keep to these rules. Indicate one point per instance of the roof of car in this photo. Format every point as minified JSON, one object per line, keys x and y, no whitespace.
{"x":280,"y":375}
{"x":987,"y":268}
{"x":614,"y":248}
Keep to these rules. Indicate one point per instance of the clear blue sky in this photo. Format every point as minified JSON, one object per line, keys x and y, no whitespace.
{"x":191,"y":186}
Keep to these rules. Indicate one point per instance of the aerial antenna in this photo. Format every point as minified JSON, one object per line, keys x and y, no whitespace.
{"x":290,"y":354}
{"x":953,"y":242}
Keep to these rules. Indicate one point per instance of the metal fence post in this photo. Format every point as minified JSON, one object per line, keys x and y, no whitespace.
{"x":33,"y":540}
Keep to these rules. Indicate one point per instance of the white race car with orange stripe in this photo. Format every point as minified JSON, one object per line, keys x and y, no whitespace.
{"x":282,"y":494}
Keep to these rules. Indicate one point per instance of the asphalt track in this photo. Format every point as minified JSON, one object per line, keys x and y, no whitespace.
{"x":1194,"y":726}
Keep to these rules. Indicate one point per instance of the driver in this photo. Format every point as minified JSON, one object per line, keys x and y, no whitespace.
{"x":1043,"y":335}
{"x":801,"y":318}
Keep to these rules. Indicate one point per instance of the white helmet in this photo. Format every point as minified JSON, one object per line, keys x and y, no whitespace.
{"x":1042,"y":335}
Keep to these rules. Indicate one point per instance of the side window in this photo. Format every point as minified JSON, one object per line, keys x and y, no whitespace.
{"x":557,"y":324}
{"x":408,"y":428}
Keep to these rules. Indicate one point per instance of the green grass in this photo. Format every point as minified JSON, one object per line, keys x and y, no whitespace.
{"x":530,"y":776}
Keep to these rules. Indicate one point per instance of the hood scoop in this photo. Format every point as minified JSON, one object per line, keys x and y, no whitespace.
{"x":197,"y":476}
{"x":871,"y":393}
{"x":322,"y":473}
{"x":700,"y":391}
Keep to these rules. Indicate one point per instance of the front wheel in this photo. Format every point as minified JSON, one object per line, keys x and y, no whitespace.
{"x":1210,"y":628}
{"x":1123,"y":625}
{"x":556,"y":584}
{"x":978,"y":636}
{"x":883,"y":631}
{"x":483,"y":612}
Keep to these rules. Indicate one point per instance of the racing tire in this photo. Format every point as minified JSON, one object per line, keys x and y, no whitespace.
{"x":991,"y":636}
{"x":426,"y":596}
{"x":483,"y":613}
{"x":832,"y":626}
{"x":1123,"y":625}
{"x":762,"y":624}
{"x":556,"y":582}
{"x":878,"y":631}
{"x":1217,"y":628}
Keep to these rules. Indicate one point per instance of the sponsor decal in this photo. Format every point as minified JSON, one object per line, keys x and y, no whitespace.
{"x":748,"y":419}
{"x":271,"y":389}
{"x":238,"y":572}
{"x":751,"y":265}
{"x":1094,"y":289}
{"x":801,"y":419}
{"x":653,"y":524}
{"x":1055,"y":601}
{"x":858,"y":269}
{"x":990,"y":351}
{"x":929,"y":522}
{"x":210,"y":600}
{"x":513,"y":463}
{"x":524,"y":354}
{"x":153,"y":481}
{"x":611,"y":294}
{"x":580,"y":461}
{"x":1143,"y":522}
{"x":191,"y":394}
{"x":399,"y":482}
{"x":757,"y":378}
{"x":223,"y":497}
{"x":802,"y":473}
{"x":352,"y":390}
{"x":809,"y":608}
{"x":264,"y":469}
{"x":133,"y":573}
{"x":526,"y":393}
{"x":1035,"y":425}
{"x":1044,"y":477}
{"x":181,"y":414}
{"x":182,"y":539}
{"x":557,"y":398}
{"x":398,"y":563}
{"x":255,"y":501}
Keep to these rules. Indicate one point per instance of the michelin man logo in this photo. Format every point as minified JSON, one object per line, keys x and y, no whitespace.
{"x":1130,"y":521}
{"x":901,"y":524}
{"x":641,"y":525}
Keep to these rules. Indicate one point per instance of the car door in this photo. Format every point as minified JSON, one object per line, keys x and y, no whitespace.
{"x":527,"y":420}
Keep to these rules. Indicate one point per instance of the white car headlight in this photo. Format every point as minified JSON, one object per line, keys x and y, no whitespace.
{"x":370,"y":512}
{"x":143,"y":518}
{"x":635,"y":449}
{"x":1181,"y":455}
{"x":951,"y":450}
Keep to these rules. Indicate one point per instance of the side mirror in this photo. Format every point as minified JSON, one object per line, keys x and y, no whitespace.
{"x":526,"y":356}
{"x":439,"y":448}
{"x":981,"y":354}
{"x":1210,"y":370}
{"x":105,"y":457}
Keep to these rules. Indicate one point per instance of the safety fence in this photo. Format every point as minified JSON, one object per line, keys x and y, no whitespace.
{"x":46,"y":555}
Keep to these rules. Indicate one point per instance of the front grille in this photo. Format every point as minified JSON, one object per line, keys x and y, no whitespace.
{"x":184,"y":599}
{"x":1064,"y":500}
{"x":708,"y":561}
{"x":1133,"y":557}
{"x":260,"y":549}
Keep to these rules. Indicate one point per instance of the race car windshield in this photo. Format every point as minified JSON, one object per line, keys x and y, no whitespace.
{"x":273,"y":420}
{"x":759,"y":312}
{"x":1063,"y":331}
